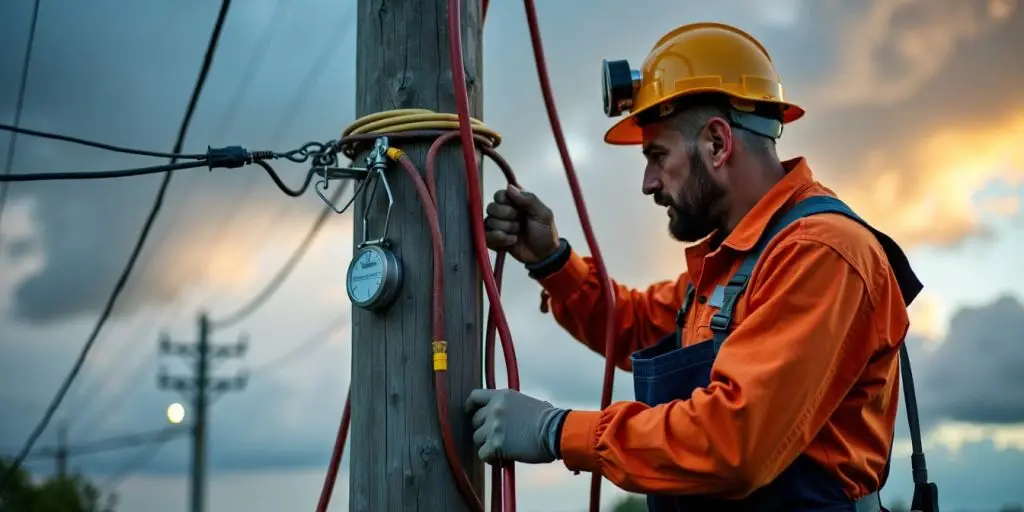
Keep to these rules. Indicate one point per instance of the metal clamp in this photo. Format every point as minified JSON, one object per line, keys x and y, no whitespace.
{"x":376,"y":163}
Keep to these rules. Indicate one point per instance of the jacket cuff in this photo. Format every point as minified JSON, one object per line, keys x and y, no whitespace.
{"x":551,"y":264}
{"x":568,"y":280}
{"x":579,"y":441}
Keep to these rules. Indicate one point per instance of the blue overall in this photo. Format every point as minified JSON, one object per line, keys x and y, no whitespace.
{"x":667,"y":371}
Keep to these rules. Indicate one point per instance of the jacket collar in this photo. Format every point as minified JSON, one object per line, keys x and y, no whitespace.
{"x":797,"y":180}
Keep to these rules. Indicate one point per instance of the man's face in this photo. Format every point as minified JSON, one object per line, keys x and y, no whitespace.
{"x":677,"y":176}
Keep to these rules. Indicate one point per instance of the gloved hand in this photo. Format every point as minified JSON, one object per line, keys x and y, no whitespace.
{"x":521,"y":224}
{"x":510,"y":426}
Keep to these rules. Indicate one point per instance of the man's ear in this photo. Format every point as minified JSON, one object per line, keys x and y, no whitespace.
{"x":719,"y":137}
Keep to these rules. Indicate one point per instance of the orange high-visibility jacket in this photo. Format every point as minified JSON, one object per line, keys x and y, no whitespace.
{"x":811,"y":365}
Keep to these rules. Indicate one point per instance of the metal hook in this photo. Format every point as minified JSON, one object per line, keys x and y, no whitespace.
{"x":378,"y":175}
{"x":376,"y":161}
{"x":322,"y":185}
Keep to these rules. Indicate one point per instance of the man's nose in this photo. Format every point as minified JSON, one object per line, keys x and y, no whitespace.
{"x":652,"y":182}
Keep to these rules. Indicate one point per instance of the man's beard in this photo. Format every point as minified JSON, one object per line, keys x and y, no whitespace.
{"x":693,"y":218}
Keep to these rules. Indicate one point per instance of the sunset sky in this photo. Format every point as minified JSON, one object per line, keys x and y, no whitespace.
{"x":915,"y":118}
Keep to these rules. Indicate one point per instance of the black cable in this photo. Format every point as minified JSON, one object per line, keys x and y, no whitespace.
{"x":256,"y":59}
{"x":294,"y":105}
{"x":280,"y":184}
{"x":226,"y":157}
{"x":268,"y":290}
{"x":313,"y":74}
{"x":115,"y":443}
{"x":101,"y":175}
{"x":105,"y":409}
{"x":19,"y":106}
{"x":141,"y":459}
{"x":157,"y":204}
{"x":321,"y":336}
{"x":93,"y":144}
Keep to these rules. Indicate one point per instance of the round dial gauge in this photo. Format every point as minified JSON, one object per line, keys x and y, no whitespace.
{"x":374,"y":276}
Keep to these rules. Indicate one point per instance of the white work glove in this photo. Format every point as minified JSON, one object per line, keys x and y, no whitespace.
{"x":510,"y":426}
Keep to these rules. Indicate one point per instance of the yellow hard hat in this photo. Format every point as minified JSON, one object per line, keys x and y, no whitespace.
{"x":699,"y":58}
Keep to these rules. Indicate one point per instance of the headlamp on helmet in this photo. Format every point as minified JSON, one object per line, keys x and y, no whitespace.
{"x":620,"y":85}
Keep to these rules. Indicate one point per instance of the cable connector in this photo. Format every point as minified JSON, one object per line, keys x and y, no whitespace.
{"x":440,"y":349}
{"x":230,"y":157}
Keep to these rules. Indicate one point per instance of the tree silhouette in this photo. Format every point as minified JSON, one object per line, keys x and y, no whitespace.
{"x":71,"y":493}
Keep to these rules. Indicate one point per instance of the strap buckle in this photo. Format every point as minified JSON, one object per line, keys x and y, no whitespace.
{"x":720,"y":322}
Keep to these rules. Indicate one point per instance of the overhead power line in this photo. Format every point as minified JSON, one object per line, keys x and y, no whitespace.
{"x":314,"y":73}
{"x":121,"y":282}
{"x":102,"y":175}
{"x":310,"y":80}
{"x":233,"y":202}
{"x":19,"y":106}
{"x":275,"y":282}
{"x":115,"y":443}
{"x":256,"y":59}
{"x":98,"y":145}
{"x":323,"y":155}
{"x":321,"y":336}
{"x":143,"y":457}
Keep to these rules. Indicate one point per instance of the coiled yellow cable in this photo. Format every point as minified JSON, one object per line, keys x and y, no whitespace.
{"x":413,"y":119}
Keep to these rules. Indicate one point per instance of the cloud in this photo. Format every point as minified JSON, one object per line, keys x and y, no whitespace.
{"x":924,"y":147}
{"x":928,"y":317}
{"x":898,"y":46}
{"x":781,"y":14}
{"x":928,"y":193}
{"x":223,"y":233}
{"x":977,"y":373}
{"x":214,"y":227}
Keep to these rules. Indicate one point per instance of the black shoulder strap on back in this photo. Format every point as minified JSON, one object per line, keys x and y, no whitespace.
{"x":925,"y":493}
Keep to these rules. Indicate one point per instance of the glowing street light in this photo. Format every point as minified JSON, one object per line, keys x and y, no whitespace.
{"x":175,"y":413}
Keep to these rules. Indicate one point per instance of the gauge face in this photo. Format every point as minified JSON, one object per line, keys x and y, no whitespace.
{"x":366,"y":275}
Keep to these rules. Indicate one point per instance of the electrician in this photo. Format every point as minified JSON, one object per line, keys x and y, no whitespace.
{"x":766,"y":375}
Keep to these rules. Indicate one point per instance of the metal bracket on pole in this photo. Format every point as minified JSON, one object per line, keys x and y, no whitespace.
{"x":376,"y":163}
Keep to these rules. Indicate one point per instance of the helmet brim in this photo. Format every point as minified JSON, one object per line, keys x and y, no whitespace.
{"x":626,"y":132}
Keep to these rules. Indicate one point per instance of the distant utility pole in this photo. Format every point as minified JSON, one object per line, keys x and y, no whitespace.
{"x":62,"y":450}
{"x":200,"y":390}
{"x":397,"y":460}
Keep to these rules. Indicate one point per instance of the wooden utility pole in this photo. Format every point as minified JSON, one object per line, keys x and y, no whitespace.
{"x":200,"y":389}
{"x":397,"y":459}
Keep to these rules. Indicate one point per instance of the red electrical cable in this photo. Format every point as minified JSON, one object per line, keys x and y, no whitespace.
{"x":437,"y":321}
{"x":497,"y":473}
{"x":476,"y":201}
{"x":462,"y":107}
{"x":607,"y":291}
{"x":339,"y":448}
{"x":428,"y":197}
{"x":473,"y":182}
{"x":496,"y":321}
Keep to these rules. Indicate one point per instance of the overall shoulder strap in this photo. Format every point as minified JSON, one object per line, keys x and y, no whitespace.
{"x":910,"y":285}
{"x":925,"y":493}
{"x":722,"y":319}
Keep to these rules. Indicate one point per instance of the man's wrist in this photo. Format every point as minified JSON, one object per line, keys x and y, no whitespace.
{"x":553,"y":435}
{"x":553,"y":263}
